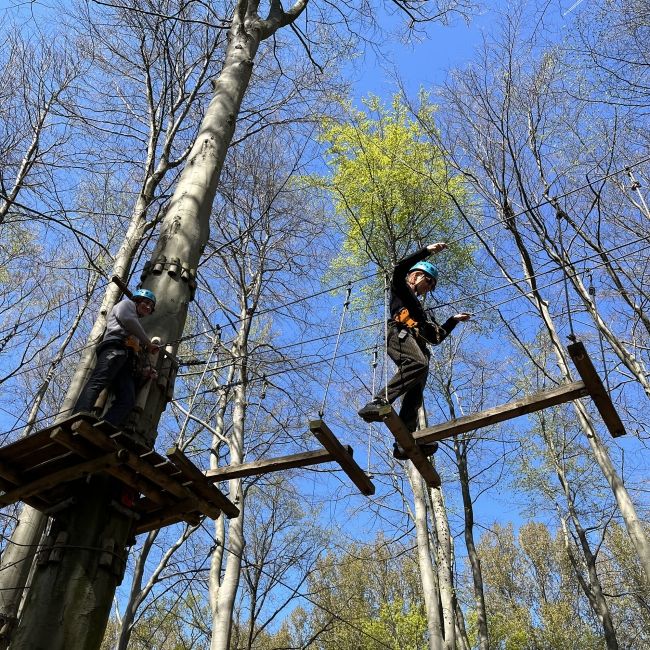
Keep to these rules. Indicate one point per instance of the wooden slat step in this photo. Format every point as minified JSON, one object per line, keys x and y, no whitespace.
{"x":200,"y":483}
{"x":599,"y":395}
{"x":343,"y":456}
{"x":530,"y":404}
{"x":257,"y":467}
{"x":407,"y":442}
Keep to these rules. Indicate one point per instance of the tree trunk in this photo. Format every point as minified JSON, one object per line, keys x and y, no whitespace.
{"x":445,"y":568}
{"x":625,"y":504}
{"x":225,"y":600}
{"x":474,"y":560}
{"x":79,"y":583}
{"x":17,"y":558}
{"x":430,"y":588}
{"x":591,"y":586}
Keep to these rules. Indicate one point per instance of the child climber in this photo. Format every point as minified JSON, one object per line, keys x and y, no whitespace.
{"x":410,"y":331}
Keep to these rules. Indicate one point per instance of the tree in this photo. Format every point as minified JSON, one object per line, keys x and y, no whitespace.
{"x":184,"y":234}
{"x":498,"y":112}
{"x":530,"y":591}
{"x":366,"y":596}
{"x":391,"y":190}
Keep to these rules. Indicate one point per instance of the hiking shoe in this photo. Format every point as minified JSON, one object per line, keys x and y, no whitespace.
{"x":427,"y":449}
{"x":370,"y":412}
{"x":398,"y":452}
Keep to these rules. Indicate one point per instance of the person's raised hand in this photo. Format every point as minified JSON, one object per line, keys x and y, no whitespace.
{"x":462,"y":317}
{"x":438,"y":247}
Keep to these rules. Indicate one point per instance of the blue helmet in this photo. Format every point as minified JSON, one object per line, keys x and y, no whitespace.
{"x":426,"y":267}
{"x":145,"y":293}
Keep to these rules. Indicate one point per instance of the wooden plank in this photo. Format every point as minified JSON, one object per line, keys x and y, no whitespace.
{"x":256,"y":467}
{"x":405,"y":439}
{"x":530,"y":404}
{"x":200,"y":483}
{"x":123,"y":473}
{"x":37,"y":447}
{"x":160,"y":519}
{"x":65,"y":475}
{"x":342,"y":456}
{"x":599,"y":395}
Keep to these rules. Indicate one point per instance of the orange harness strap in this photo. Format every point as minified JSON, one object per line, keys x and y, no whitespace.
{"x":404,"y":318}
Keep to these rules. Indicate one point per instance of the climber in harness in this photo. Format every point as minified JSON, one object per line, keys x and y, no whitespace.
{"x":117,"y":357}
{"x":410,"y":331}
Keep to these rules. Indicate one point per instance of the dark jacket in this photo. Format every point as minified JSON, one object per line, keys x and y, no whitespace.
{"x":402,"y":296}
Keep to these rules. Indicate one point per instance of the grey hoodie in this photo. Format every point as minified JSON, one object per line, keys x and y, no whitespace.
{"x":123,"y":320}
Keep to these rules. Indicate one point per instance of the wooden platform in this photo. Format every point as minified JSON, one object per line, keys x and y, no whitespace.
{"x":333,"y":451}
{"x":44,"y":470}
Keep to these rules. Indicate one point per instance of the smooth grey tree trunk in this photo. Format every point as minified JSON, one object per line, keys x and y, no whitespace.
{"x":223,"y":600}
{"x":428,"y":577}
{"x":77,"y":581}
{"x":17,"y":558}
{"x":591,"y":586}
{"x":472,"y":554}
{"x":444,"y":553}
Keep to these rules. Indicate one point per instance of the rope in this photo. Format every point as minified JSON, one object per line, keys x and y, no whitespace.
{"x":498,"y":222}
{"x":346,"y":304}
{"x":559,"y":215}
{"x":375,"y":355}
{"x":386,"y":314}
{"x":592,"y":293}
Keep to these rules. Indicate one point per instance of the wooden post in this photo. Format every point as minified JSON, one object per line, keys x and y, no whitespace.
{"x":599,"y":395}
{"x":342,"y":456}
{"x":407,"y":442}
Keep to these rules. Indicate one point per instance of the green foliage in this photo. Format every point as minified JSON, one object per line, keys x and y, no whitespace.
{"x":389,"y":184}
{"x":366,"y":597}
{"x":532,"y":597}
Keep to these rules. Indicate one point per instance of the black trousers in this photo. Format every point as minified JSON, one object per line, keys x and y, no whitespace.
{"x":412,"y":361}
{"x":114,"y":370}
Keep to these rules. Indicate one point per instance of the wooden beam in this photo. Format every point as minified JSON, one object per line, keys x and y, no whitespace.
{"x":200,"y":483}
{"x":342,"y":456}
{"x":599,"y":395}
{"x":281,"y":463}
{"x":9,"y":474}
{"x":65,"y":475}
{"x":168,"y":517}
{"x":530,"y":404}
{"x":406,"y":441}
